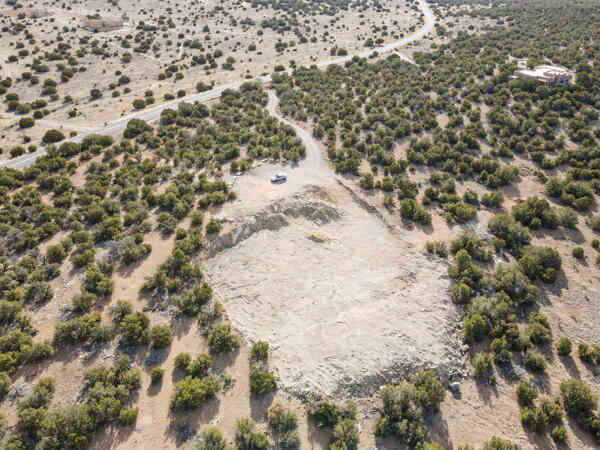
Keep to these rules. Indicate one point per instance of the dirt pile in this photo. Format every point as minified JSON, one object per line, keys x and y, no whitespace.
{"x":345,"y":304}
{"x":275,"y":216}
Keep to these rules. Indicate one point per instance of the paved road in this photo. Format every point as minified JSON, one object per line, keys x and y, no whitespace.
{"x":26,"y":160}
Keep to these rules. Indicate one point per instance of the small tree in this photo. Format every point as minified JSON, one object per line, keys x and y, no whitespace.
{"x":526,"y":393}
{"x":481,"y":363}
{"x":160,"y":336}
{"x":52,"y":136}
{"x":182,"y":360}
{"x":156,"y":374}
{"x":260,"y":350}
{"x":222,"y":339}
{"x":564,"y":346}
{"x":213,"y":226}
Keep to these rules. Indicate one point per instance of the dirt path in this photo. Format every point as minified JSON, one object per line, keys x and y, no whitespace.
{"x":314,"y":158}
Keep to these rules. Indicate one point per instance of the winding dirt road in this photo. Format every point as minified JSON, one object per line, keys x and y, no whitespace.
{"x":149,"y":114}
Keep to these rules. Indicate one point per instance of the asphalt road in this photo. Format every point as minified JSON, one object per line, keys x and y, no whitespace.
{"x":113,"y":127}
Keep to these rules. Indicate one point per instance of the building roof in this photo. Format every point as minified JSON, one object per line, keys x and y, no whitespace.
{"x":544,"y":73}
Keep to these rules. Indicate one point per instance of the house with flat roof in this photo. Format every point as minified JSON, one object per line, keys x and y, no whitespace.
{"x":548,"y":75}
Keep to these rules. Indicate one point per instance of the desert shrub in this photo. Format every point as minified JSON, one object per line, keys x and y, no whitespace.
{"x":191,"y":392}
{"x":577,"y":253}
{"x":568,"y":218}
{"x":495,"y":443}
{"x":402,"y":415}
{"x":280,"y":418}
{"x":534,"y":361}
{"x":121,"y":309}
{"x":367,"y":181}
{"x":83,"y":301}
{"x":481,"y":362}
{"x":594,"y":222}
{"x":564,"y":346}
{"x":548,"y":413}
{"x":559,"y":433}
{"x":493,"y":199}
{"x":474,"y":328}
{"x":197,"y":217}
{"x":156,"y":374}
{"x":9,"y":310}
{"x":160,"y":336}
{"x":191,"y":300}
{"x":438,"y":248}
{"x":222,"y":339}
{"x":73,"y":426}
{"x":199,"y":366}
{"x":4,"y":384}
{"x":499,"y":347}
{"x":464,"y":271}
{"x":512,"y":281}
{"x":166,"y":222}
{"x":213,"y":226}
{"x":212,"y":439}
{"x":476,"y":247}
{"x":588,"y":353}
{"x":84,"y":328}
{"x":535,"y":212}
{"x":134,"y":327}
{"x":182,"y":360}
{"x":512,"y":233}
{"x":460,"y":292}
{"x":97,"y":282}
{"x":554,"y":187}
{"x":578,"y":399}
{"x":526,"y":393}
{"x":325,"y":414}
{"x":248,"y":438}
{"x":459,"y":211}
{"x":410,"y":209}
{"x":261,"y":381}
{"x":128,"y":416}
{"x":26,"y":122}
{"x":404,"y":406}
{"x":538,"y":329}
{"x":52,"y":136}
{"x":595,"y":243}
{"x":289,"y":439}
{"x":431,"y":391}
{"x":55,"y":253}
{"x":345,"y":435}
{"x":36,"y":352}
{"x":260,"y":350}
{"x":578,"y":194}
{"x":540,"y":263}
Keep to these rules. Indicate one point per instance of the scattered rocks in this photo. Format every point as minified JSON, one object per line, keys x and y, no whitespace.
{"x":19,"y":390}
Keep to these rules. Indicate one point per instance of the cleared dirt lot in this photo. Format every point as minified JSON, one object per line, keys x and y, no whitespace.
{"x":368,"y":307}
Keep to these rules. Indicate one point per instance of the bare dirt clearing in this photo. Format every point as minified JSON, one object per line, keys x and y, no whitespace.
{"x":369,"y":308}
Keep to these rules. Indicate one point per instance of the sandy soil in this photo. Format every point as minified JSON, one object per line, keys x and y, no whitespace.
{"x":370,"y":308}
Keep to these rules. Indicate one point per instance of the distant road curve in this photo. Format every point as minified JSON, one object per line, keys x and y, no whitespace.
{"x":5,"y":69}
{"x":113,"y":127}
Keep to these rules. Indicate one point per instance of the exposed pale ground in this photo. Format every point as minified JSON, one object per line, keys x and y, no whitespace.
{"x":343,"y":315}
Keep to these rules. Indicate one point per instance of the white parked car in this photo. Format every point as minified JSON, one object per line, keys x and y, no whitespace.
{"x":278,"y":177}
